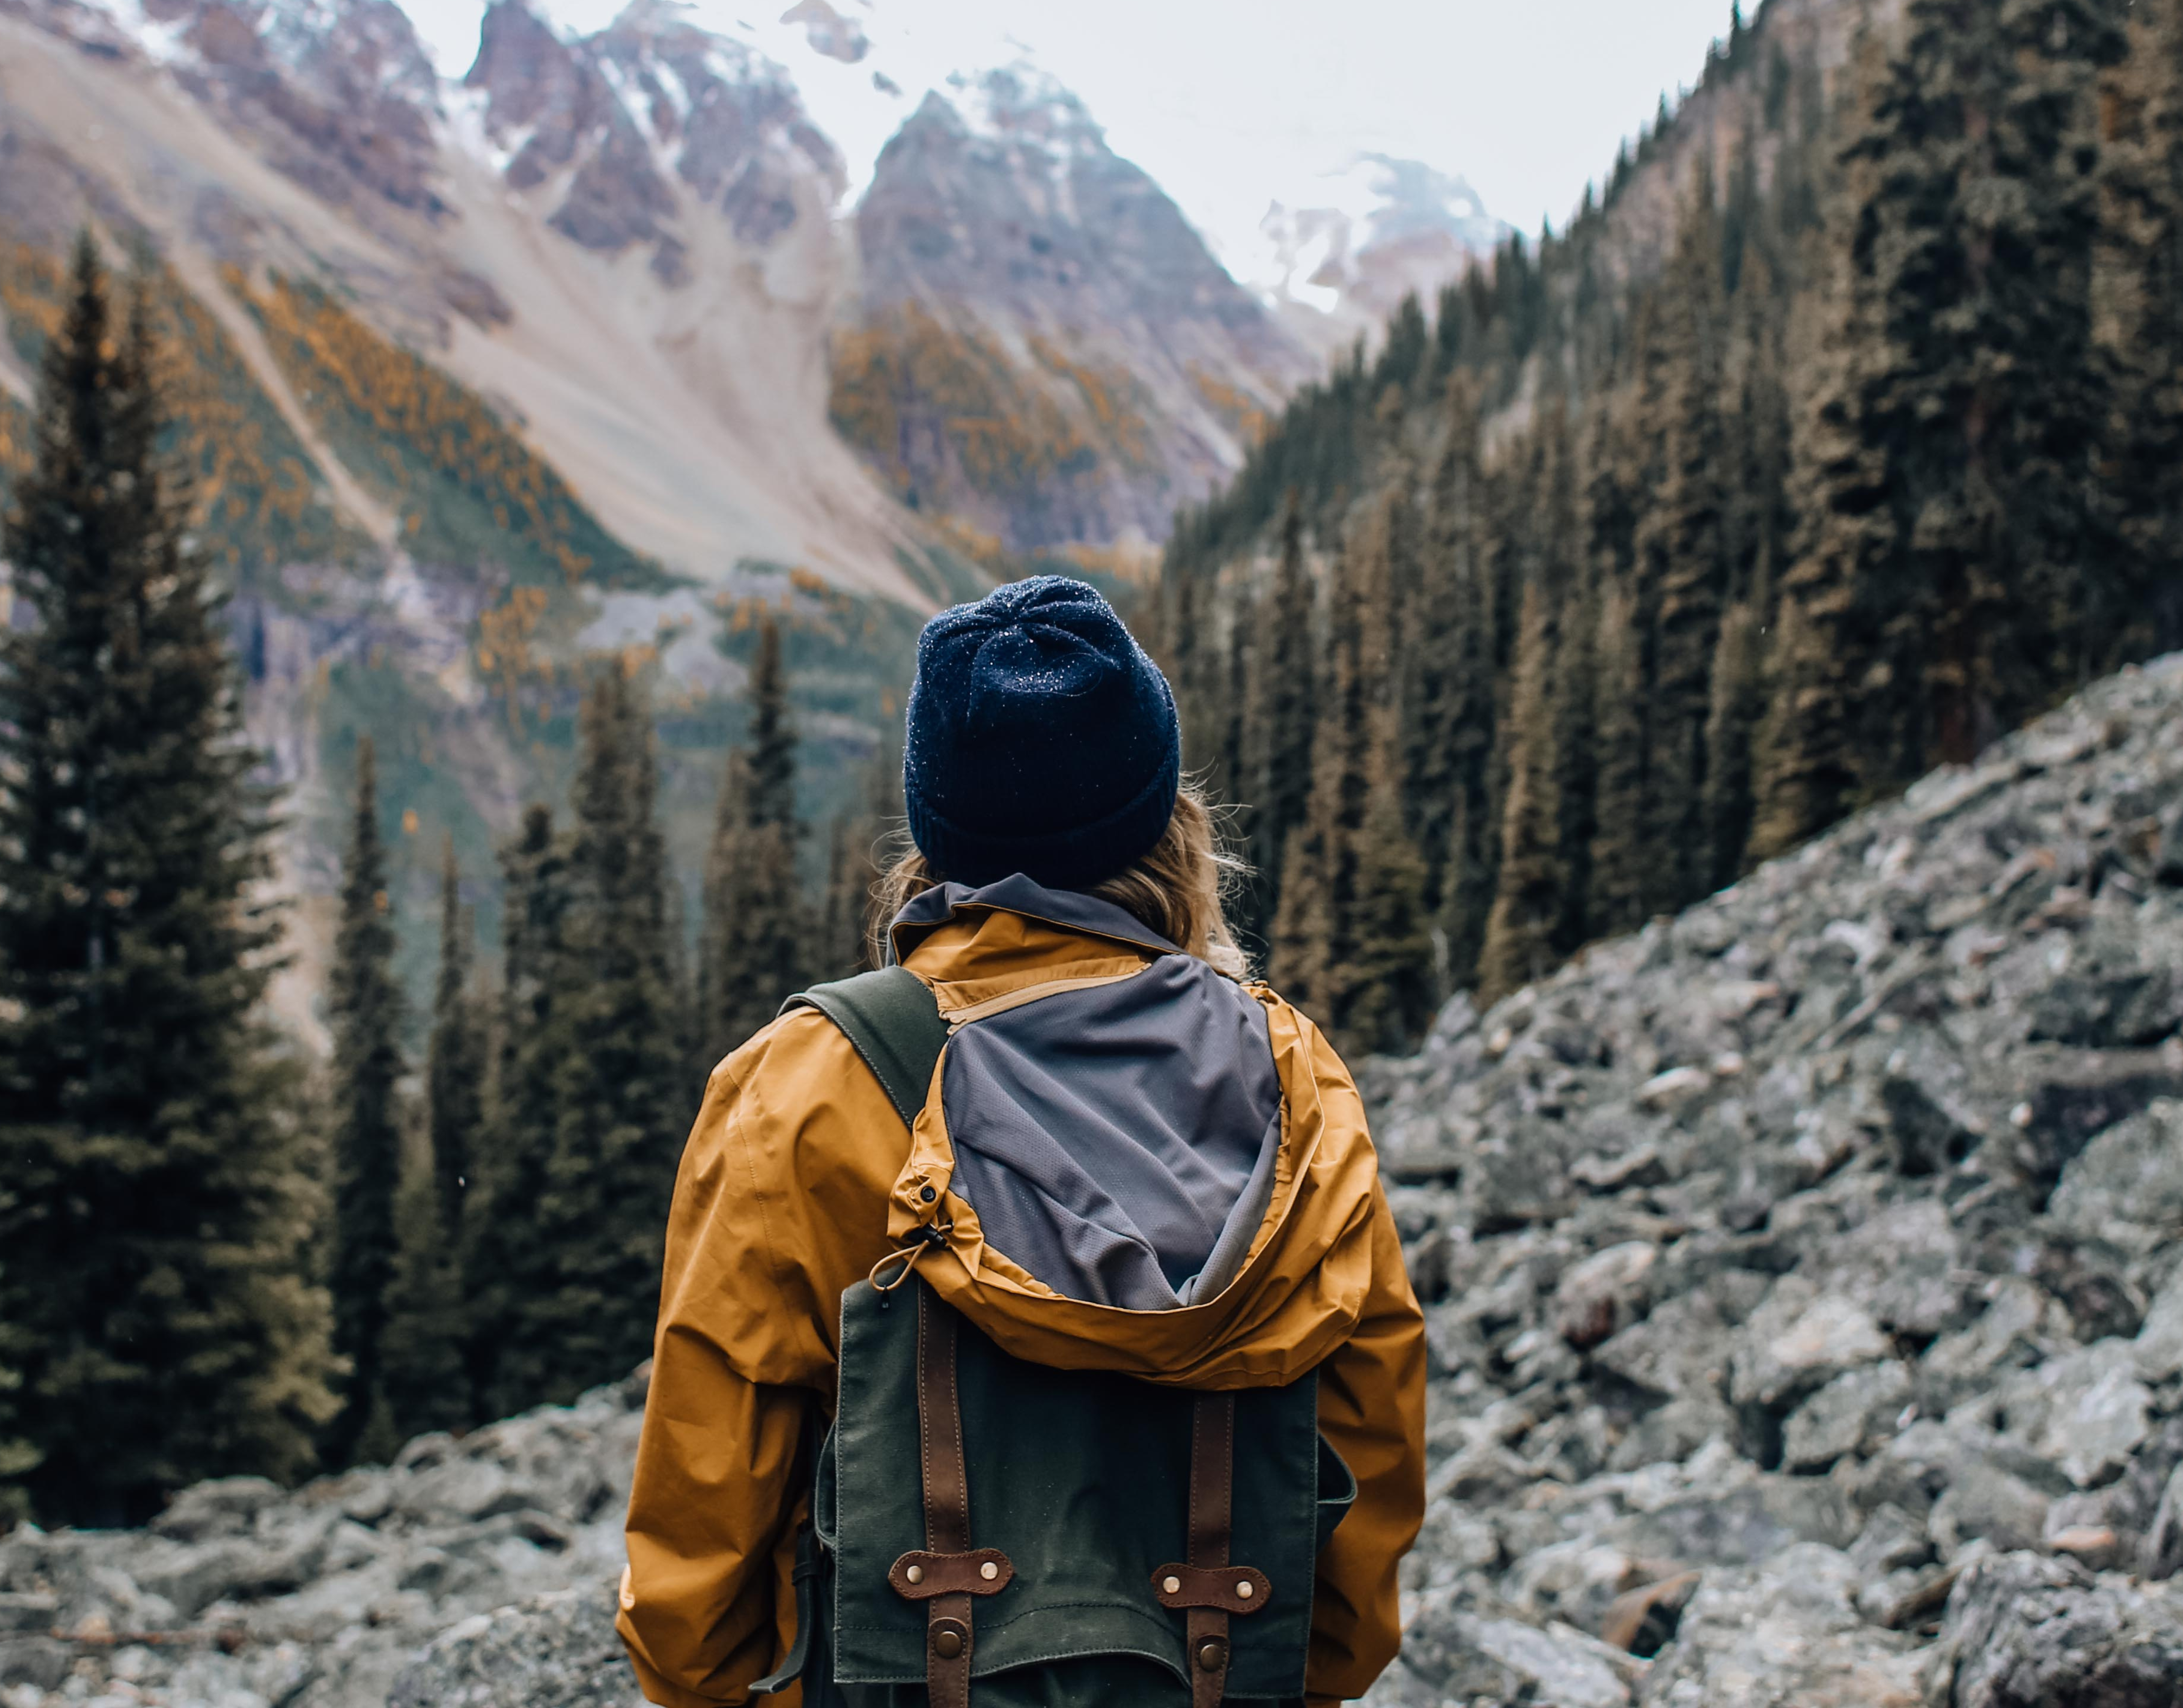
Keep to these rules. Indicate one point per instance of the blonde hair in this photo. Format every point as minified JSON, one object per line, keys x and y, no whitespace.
{"x":1177,"y":889}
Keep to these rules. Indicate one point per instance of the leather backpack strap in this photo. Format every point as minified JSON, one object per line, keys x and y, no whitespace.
{"x":893,"y":1020}
{"x":947,"y":1575}
{"x":1212,"y":1490}
{"x":1207,"y":1589}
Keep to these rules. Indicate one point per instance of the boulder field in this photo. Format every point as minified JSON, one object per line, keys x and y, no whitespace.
{"x":1804,"y":1297}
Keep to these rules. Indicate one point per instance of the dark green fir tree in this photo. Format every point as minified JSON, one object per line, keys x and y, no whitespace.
{"x":505,"y":1261}
{"x":758,"y":934}
{"x":363,"y":1012}
{"x":455,"y":1070}
{"x":1282,"y":721}
{"x":621,"y":1107}
{"x":156,"y":1203}
{"x":425,"y":1384}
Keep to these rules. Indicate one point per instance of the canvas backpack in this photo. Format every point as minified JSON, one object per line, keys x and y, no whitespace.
{"x":989,"y":1531}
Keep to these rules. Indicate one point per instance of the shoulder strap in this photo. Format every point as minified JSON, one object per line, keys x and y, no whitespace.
{"x":893,"y":1020}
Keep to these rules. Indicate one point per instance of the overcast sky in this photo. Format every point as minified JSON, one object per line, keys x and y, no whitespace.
{"x":1232,"y":103}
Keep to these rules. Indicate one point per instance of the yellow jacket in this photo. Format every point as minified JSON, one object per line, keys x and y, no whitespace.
{"x":799,"y":1177}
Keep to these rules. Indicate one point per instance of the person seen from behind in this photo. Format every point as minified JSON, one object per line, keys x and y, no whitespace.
{"x":1035,"y":1331}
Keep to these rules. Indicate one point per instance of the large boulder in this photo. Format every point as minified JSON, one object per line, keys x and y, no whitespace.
{"x":2023,"y":1630}
{"x":1783,"y":1633}
{"x":558,"y":1650}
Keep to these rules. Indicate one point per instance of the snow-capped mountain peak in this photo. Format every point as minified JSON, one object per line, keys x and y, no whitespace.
{"x":1337,"y":254}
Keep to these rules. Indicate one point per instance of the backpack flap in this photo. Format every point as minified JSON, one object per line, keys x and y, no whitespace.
{"x":1082,"y":1479}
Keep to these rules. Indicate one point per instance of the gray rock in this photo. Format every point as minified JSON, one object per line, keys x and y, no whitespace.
{"x":2026,"y":1632}
{"x":1605,"y":1292}
{"x":1801,"y":1338}
{"x":194,"y":1577}
{"x":38,"y":1662}
{"x":24,"y":1611}
{"x":1856,"y":1408}
{"x":1450,"y":1654}
{"x":2132,"y":1174}
{"x":558,"y":1650}
{"x":2163,"y":1541}
{"x":1986,"y":1503}
{"x":2168,"y":858}
{"x":466,"y":1488}
{"x":226,"y":1507}
{"x":1783,"y":1634}
{"x":2160,"y":1346}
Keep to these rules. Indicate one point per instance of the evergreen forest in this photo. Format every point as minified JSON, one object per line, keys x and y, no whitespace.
{"x":1664,"y":543}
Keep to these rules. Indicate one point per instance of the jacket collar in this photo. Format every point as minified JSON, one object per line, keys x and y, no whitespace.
{"x":1068,"y":909}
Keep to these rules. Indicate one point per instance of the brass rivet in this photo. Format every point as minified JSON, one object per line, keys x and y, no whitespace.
{"x":948,"y":1644}
{"x":1243,"y":1590}
{"x":916,"y":1574}
{"x":1172,"y":1585}
{"x":1210,"y":1656}
{"x":989,"y":1571}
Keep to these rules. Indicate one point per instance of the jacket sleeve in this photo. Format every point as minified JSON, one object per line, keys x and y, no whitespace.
{"x":779,"y":1205}
{"x":1372,"y":1411}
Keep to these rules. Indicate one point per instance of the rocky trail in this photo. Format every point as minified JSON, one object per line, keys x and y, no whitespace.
{"x":1804,"y":1295}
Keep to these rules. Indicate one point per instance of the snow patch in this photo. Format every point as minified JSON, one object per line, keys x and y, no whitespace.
{"x":163,"y":44}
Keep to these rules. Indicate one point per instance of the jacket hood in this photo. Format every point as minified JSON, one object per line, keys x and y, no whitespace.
{"x":1126,"y":1161}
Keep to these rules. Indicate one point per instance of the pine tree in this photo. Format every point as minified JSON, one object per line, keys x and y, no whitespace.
{"x":1682,"y":553}
{"x":155,"y":1207}
{"x":505,"y":1260}
{"x":1528,"y":905}
{"x":1437,"y":722}
{"x":1467,"y":728}
{"x":422,"y":1384}
{"x":1731,"y":731}
{"x":455,"y":1068}
{"x":2139,"y":312}
{"x":1299,"y":941}
{"x":621,"y":1112}
{"x":1617,"y":901}
{"x":1229,"y":777}
{"x":769,"y":796}
{"x":1283,"y":718}
{"x":1390,"y":975}
{"x":1759,"y":522}
{"x":756,"y":934}
{"x":426,"y":1384}
{"x":364,"y":1006}
{"x":1342,"y":758}
{"x":1563,"y":567}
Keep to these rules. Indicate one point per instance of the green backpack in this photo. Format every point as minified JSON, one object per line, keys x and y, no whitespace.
{"x":990,"y":1530}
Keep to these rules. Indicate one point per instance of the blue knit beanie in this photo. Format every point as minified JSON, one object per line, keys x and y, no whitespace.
{"x":1041,"y":740}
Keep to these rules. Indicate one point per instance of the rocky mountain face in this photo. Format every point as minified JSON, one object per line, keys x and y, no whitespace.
{"x":1046,"y":348}
{"x":650,"y":101}
{"x":480,"y":381}
{"x":623,"y":241}
{"x":1804,"y":1297}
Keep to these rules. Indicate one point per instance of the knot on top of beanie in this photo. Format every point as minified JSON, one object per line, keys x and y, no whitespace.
{"x":1040,"y":739}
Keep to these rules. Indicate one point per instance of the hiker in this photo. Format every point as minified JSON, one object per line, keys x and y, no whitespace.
{"x":1108,"y":1315}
